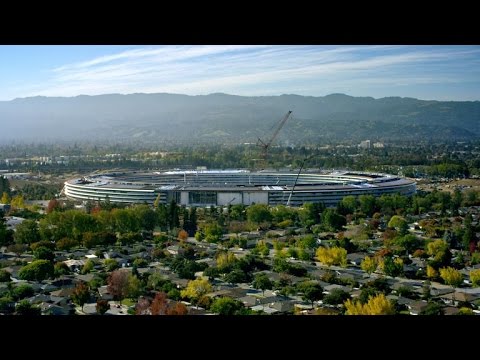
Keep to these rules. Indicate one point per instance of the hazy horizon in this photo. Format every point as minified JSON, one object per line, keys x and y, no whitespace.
{"x":443,"y":73}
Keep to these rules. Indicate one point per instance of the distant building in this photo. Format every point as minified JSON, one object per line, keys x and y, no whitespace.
{"x":364,"y":144}
{"x":378,"y":145}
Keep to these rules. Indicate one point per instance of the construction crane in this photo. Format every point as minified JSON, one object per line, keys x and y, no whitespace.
{"x":296,"y":179}
{"x":265,"y":145}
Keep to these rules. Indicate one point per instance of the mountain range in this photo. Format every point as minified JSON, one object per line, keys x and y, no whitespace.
{"x":222,"y":118}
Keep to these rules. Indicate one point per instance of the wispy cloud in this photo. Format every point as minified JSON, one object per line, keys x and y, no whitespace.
{"x":263,"y":70}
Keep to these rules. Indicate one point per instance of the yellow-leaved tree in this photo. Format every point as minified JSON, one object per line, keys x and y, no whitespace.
{"x":225,"y":259}
{"x":451,"y":276}
{"x":475,"y":277}
{"x":376,"y":305}
{"x":196,"y":289}
{"x":431,"y":272}
{"x":5,"y":198}
{"x":332,"y":256}
{"x":369,"y":264}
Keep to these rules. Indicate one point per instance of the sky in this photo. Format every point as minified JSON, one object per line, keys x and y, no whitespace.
{"x":425,"y":72}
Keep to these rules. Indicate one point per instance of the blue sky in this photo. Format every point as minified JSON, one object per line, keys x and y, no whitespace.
{"x":424,"y":72}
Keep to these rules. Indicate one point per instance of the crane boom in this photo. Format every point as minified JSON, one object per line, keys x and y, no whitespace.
{"x":266,"y":145}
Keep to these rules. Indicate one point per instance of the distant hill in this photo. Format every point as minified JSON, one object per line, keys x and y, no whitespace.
{"x":156,"y":118}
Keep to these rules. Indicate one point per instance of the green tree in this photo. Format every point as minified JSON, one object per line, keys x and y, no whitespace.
{"x":392,"y":267}
{"x":37,"y":270}
{"x":258,"y":213}
{"x":60,"y":269}
{"x":25,"y":308}
{"x":235,"y":276}
{"x":398,"y":223}
{"x":347,"y":205}
{"x":262,"y":282}
{"x":146,"y":217}
{"x":336,"y":297}
{"x":22,"y":291}
{"x":367,"y":204}
{"x":311,"y":291}
{"x":110,"y":264}
{"x":27,"y":232}
{"x":6,"y":236}
{"x":432,"y":308}
{"x":225,"y":306}
{"x":333,"y":221}
{"x":4,"y":276}
{"x":88,"y":266}
{"x":134,"y":287}
{"x":43,"y":253}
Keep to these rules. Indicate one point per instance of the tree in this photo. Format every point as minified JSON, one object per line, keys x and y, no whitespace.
{"x":53,"y":205}
{"x":196,"y":289}
{"x":369,"y":264}
{"x":118,"y":284}
{"x":311,"y":291}
{"x":5,"y":198}
{"x":332,"y":256}
{"x":398,"y":223}
{"x":22,"y":291}
{"x":347,"y":205}
{"x":25,"y":308}
{"x":225,"y":306}
{"x":258,"y":213}
{"x":17,"y":202}
{"x":43,"y":253}
{"x":465,"y":311}
{"x":432,"y":308}
{"x":367,"y":204}
{"x":431,"y":272}
{"x":60,"y":269}
{"x":392,"y":267}
{"x":37,"y":270}
{"x":475,"y":277}
{"x":451,"y":276}
{"x":333,"y":221}
{"x":88,"y":266}
{"x":235,"y":276}
{"x":262,"y":282}
{"x":81,"y":294}
{"x":376,"y":305}
{"x":6,"y":236}
{"x":27,"y":232}
{"x":182,"y":235}
{"x":146,"y":217}
{"x":336,"y":297}
{"x":177,"y":308}
{"x":4,"y":276}
{"x":110,"y":264}
{"x":213,"y":232}
{"x":134,"y":287}
{"x":102,"y":306}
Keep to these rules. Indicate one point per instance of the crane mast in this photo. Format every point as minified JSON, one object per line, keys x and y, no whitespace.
{"x":265,"y":145}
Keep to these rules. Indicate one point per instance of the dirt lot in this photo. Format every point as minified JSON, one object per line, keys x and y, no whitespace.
{"x":450,"y":186}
